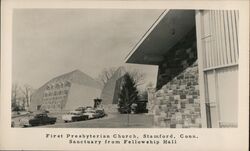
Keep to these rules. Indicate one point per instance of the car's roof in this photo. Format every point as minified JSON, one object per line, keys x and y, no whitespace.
{"x":75,"y":112}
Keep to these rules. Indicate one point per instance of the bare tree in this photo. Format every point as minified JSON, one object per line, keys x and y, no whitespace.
{"x":106,"y":75}
{"x":14,"y":95}
{"x":139,"y":77}
{"x":26,"y":92}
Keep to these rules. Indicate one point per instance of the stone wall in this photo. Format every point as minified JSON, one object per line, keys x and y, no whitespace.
{"x":177,"y":103}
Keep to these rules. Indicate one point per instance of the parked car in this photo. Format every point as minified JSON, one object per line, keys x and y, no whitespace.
{"x":90,"y":113}
{"x":45,"y":111}
{"x":42,"y":119}
{"x":74,"y":116}
{"x":82,"y":109}
{"x":99,"y":114}
{"x":24,"y":122}
{"x":23,"y":112}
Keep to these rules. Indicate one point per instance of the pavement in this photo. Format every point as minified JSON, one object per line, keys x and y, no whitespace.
{"x":113,"y":120}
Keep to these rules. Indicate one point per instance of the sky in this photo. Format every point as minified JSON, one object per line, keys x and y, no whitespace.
{"x":51,"y":42}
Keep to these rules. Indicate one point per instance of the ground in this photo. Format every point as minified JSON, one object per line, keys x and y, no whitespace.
{"x":111,"y":121}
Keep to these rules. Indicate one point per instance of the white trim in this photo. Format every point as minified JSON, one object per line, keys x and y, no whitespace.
{"x":200,"y":66}
{"x":220,"y":67}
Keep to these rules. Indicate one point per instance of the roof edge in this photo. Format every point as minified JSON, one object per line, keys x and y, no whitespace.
{"x":146,"y":34}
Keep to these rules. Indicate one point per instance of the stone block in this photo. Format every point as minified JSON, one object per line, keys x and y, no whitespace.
{"x":163,"y":107}
{"x":163,"y":114}
{"x":195,"y":125}
{"x":162,"y":124}
{"x":191,"y":101}
{"x":197,"y":120}
{"x":177,"y":97}
{"x":163,"y":102}
{"x":171,"y":98}
{"x":175,"y":92}
{"x":179,"y":106}
{"x":186,"y":111}
{"x":182,"y":96}
{"x":178,"y":125}
{"x":157,"y":111}
{"x":197,"y":101}
{"x":178,"y":117}
{"x":195,"y":96}
{"x":195,"y":92}
{"x":161,"y":97}
{"x":172,"y":125}
{"x":183,"y":105}
{"x":170,"y":91}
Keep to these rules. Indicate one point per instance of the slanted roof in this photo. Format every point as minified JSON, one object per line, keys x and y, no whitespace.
{"x":169,"y":28}
{"x":78,"y":77}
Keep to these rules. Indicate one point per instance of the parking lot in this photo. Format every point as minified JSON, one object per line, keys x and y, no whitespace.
{"x":114,"y":120}
{"x":110,"y":121}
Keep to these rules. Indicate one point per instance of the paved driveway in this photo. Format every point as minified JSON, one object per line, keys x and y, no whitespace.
{"x":110,"y":121}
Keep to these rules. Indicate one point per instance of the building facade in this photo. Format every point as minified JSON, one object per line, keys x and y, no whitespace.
{"x":111,"y":90}
{"x":66,"y":92}
{"x":197,"y":56}
{"x":218,"y":50}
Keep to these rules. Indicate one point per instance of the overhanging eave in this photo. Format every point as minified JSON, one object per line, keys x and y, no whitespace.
{"x":169,"y":28}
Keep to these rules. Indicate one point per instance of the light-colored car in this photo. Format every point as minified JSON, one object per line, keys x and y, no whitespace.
{"x":82,"y":109}
{"x":74,"y":116}
{"x":24,"y":122}
{"x":90,"y":113}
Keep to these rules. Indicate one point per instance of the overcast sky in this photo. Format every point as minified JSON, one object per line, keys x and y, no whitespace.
{"x":48,"y":43}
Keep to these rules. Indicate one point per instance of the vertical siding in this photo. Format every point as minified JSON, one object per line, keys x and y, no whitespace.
{"x":220,"y":38}
{"x":217,"y":37}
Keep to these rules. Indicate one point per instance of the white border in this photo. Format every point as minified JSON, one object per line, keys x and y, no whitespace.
{"x":209,"y":139}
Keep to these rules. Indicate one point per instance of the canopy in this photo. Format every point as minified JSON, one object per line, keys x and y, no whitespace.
{"x":168,"y":29}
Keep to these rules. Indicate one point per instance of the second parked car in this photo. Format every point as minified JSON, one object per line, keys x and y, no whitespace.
{"x":74,"y":116}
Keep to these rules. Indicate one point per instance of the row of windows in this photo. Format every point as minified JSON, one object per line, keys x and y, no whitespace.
{"x":52,"y":102}
{"x":58,"y":85}
{"x":54,"y":93}
{"x":53,"y":106}
{"x":54,"y":98}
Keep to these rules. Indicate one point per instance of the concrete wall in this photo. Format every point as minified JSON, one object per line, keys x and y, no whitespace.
{"x":36,"y":99}
{"x":111,"y":89}
{"x":80,"y":95}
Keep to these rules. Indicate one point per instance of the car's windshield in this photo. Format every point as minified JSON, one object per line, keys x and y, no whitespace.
{"x":73,"y":113}
{"x":39,"y":115}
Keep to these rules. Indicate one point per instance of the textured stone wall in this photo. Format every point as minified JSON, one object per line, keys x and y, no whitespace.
{"x":178,"y":58}
{"x":176,"y":100}
{"x":177,"y":103}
